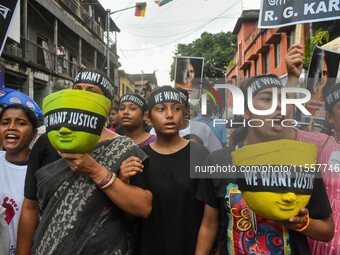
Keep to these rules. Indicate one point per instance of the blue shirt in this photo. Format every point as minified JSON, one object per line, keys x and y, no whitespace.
{"x":220,"y":131}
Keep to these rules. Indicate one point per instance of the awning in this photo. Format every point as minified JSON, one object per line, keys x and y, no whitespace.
{"x":253,"y":57}
{"x":273,"y":39}
{"x":245,"y":65}
{"x":263,"y":49}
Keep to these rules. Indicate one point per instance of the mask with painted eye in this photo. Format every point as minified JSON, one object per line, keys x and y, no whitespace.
{"x":273,"y":179}
{"x":74,"y":119}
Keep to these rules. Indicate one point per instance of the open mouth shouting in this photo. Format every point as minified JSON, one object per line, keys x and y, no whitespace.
{"x":11,"y":138}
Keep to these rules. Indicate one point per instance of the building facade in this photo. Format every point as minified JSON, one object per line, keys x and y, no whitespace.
{"x":126,"y":85}
{"x":56,"y":39}
{"x":144,"y":83}
{"x":261,"y":51}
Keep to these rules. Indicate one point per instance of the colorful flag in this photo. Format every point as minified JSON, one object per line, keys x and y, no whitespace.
{"x":140,"y":9}
{"x":162,"y":2}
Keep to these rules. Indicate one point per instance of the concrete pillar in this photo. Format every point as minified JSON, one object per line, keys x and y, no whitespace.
{"x":30,"y":84}
{"x":24,"y":20}
{"x":95,"y":59}
{"x":80,"y":52}
{"x":55,"y":44}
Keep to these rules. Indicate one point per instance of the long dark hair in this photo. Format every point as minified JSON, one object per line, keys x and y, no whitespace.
{"x":28,"y":112}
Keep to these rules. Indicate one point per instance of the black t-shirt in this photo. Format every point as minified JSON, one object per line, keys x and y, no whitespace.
{"x":176,"y":215}
{"x":237,"y":235}
{"x":42,"y":154}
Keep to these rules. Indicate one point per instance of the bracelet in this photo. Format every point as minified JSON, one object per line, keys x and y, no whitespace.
{"x":105,"y":180}
{"x":96,"y":174}
{"x":109,"y":183}
{"x":304,"y":225}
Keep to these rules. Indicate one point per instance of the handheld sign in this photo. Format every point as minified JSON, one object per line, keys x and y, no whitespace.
{"x":279,"y":13}
{"x":7,"y":10}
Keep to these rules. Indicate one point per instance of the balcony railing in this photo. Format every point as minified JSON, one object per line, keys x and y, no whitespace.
{"x":42,"y":56}
{"x":84,"y":16}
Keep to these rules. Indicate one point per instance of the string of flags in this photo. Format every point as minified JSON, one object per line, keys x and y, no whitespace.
{"x":162,"y":2}
{"x":141,"y":7}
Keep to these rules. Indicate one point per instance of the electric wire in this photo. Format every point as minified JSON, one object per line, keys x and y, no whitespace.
{"x":193,"y":31}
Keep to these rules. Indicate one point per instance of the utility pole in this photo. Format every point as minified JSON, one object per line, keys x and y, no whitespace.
{"x":108,"y":14}
{"x":141,"y":92}
{"x":108,"y":42}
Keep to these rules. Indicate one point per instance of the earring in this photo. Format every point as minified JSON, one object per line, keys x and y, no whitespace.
{"x":332,"y":128}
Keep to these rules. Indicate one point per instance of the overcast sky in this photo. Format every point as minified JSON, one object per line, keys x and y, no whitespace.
{"x":148,"y":43}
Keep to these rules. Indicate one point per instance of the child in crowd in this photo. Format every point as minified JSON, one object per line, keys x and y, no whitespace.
{"x":132,"y":113}
{"x":332,"y":106}
{"x":199,"y":129}
{"x":331,"y":177}
{"x":18,"y":126}
{"x":174,"y":221}
{"x":113,"y":117}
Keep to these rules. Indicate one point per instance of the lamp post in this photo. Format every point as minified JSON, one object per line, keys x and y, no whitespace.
{"x":142,"y":87}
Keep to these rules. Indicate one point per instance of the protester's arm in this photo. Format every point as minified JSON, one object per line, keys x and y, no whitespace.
{"x":321,"y":225}
{"x":27,"y":225}
{"x":318,"y":229}
{"x":129,"y":198}
{"x":322,"y":230}
{"x":208,"y":231}
{"x":129,"y":168}
{"x":294,"y":64}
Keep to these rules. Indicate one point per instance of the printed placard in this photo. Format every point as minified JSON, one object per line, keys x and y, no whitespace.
{"x":279,"y":13}
{"x":7,"y":10}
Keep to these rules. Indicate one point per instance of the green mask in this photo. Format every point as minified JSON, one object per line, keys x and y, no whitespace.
{"x":74,"y":119}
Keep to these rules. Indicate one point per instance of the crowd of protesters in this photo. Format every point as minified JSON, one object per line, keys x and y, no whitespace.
{"x":133,"y":194}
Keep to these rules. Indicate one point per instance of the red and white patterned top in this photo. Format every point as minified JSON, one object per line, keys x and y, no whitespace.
{"x":328,"y":153}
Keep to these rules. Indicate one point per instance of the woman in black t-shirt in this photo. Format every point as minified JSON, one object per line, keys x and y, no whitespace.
{"x":175,"y":219}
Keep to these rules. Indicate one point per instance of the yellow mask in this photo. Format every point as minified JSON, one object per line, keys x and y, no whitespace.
{"x":270,"y":184}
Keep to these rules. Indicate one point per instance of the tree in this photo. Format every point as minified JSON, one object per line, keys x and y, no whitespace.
{"x":323,"y":33}
{"x":216,"y":49}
